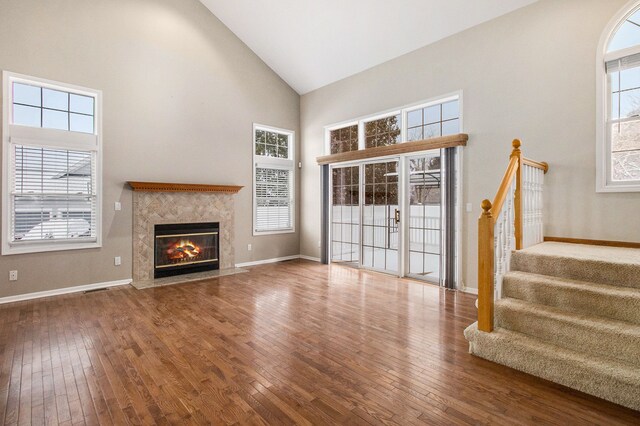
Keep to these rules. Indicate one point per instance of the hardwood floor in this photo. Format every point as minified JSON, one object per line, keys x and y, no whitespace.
{"x":295,"y":342}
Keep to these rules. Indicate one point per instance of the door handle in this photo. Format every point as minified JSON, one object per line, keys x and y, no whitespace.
{"x":397,"y":216}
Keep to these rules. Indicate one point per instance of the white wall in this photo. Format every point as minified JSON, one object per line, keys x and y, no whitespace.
{"x":529,"y":75}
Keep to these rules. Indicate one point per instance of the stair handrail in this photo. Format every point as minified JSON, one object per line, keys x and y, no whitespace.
{"x":512,"y":222}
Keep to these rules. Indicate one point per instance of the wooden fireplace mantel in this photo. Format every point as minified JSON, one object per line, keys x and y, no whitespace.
{"x":182,"y":187}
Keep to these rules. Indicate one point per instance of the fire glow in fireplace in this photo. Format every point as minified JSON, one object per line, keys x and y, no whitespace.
{"x":185,"y":248}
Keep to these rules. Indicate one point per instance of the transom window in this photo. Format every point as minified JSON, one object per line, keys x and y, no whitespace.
{"x":344,"y":139}
{"x":383,"y":131}
{"x":273,"y":189}
{"x":51,"y":148}
{"x":429,"y":120}
{"x":272,"y":144}
{"x":37,"y":106}
{"x":432,"y":121}
{"x":619,"y":165}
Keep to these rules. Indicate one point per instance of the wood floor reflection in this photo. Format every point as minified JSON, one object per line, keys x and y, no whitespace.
{"x":294,"y":342}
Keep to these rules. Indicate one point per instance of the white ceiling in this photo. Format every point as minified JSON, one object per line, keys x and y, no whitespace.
{"x":312,"y":43}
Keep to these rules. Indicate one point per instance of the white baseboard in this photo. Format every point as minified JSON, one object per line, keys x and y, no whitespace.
{"x":277,"y":259}
{"x":313,"y":259}
{"x":470,"y":290}
{"x":66,"y":290}
{"x":265,"y":261}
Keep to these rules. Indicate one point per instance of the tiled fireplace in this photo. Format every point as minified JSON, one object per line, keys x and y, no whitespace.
{"x":197,"y":209}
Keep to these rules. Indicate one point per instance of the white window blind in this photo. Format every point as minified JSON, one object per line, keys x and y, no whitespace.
{"x":624,"y":63}
{"x":53,"y":196}
{"x":273,"y":181}
{"x":273,"y":200}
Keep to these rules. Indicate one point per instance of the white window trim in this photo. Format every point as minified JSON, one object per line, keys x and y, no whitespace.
{"x":603,"y":140}
{"x":274,"y":163}
{"x":12,"y":134}
{"x":457,"y":95}
{"x":402,"y":111}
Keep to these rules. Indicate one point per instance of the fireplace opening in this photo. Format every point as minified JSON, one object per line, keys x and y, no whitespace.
{"x":184,"y":248}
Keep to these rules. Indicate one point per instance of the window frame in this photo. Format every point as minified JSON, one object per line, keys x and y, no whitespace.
{"x":604,"y":183}
{"x":402,"y":111}
{"x":362,"y":135}
{"x":14,"y":134}
{"x":261,"y":161}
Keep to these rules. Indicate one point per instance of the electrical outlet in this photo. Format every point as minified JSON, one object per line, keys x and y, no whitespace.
{"x":117,"y":206}
{"x":249,"y":248}
{"x":13,"y":275}
{"x":117,"y":261}
{"x":319,"y":244}
{"x":469,"y":207}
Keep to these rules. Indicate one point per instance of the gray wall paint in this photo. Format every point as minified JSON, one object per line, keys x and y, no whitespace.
{"x":180,"y":95}
{"x":529,"y":74}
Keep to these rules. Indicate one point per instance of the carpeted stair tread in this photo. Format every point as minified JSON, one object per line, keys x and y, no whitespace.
{"x":602,"y":265}
{"x":587,"y":334}
{"x":587,"y":252}
{"x":606,"y":378}
{"x":602,"y":300}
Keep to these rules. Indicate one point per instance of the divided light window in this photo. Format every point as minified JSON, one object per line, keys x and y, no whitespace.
{"x":620,"y":168}
{"x":437,"y":118}
{"x":344,"y":139}
{"x":383,"y":131}
{"x":624,"y":119}
{"x":37,"y":106}
{"x":51,"y":166}
{"x":273,"y":180}
{"x":432,"y":121}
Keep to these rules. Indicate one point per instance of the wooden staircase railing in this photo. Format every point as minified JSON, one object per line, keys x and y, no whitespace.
{"x":512,"y":222}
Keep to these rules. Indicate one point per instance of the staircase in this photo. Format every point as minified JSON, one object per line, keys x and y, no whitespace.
{"x":569,"y":313}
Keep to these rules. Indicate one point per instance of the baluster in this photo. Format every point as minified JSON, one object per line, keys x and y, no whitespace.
{"x":518,"y":224}
{"x":504,"y":239}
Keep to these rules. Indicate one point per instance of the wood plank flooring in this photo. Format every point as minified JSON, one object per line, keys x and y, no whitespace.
{"x":289,"y":343}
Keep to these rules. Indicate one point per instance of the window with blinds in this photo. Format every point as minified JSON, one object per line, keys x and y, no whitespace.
{"x":52,"y":160}
{"x":273,"y":181}
{"x":273,"y":200}
{"x":53,"y":195}
{"x":619,"y":167}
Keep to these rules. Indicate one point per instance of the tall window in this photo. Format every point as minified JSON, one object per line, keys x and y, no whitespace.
{"x":273,"y":180}
{"x":51,"y":151}
{"x":619,"y":165}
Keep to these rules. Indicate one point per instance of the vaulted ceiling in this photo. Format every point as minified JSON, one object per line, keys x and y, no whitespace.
{"x":312,"y":43}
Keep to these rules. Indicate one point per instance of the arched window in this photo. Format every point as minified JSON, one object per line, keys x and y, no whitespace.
{"x":619,"y":103}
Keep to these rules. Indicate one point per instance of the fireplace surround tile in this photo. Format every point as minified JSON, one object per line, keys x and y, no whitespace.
{"x":155,"y":208}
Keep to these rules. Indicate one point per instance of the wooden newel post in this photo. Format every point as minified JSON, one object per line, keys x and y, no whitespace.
{"x":517,"y":199}
{"x":485,"y":268}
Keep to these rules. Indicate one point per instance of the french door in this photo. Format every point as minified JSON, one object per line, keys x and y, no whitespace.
{"x":396,"y":215}
{"x":365,"y":215}
{"x":425,"y":212}
{"x":380,"y":216}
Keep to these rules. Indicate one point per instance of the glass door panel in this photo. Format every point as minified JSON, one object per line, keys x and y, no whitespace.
{"x":345,"y":215}
{"x":380,"y":216}
{"x":425,"y":214}
{"x":365,"y":209}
